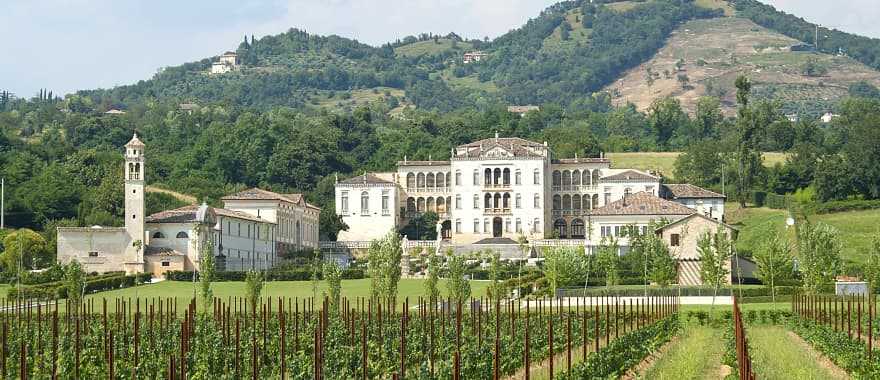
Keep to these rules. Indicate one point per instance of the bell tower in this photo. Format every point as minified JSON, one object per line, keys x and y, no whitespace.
{"x":134,"y":204}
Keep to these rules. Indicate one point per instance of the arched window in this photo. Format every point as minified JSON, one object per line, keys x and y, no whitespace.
{"x":557,"y":178}
{"x":410,"y":181}
{"x":448,"y":179}
{"x":420,"y":205}
{"x":576,"y":178}
{"x":298,"y":235}
{"x":497,"y":203}
{"x":586,"y":177}
{"x":458,"y":201}
{"x":365,"y":203}
{"x":506,"y":176}
{"x":441,"y":205}
{"x":557,"y":202}
{"x":488,"y":203}
{"x":537,"y":201}
{"x":576,"y":203}
{"x":595,"y":177}
{"x":566,"y":202}
{"x":429,"y":180}
{"x":410,"y":205}
{"x":518,"y":177}
{"x":537,"y":177}
{"x":577,"y":229}
{"x":496,"y":176}
{"x":561,"y":228}
{"x":441,"y":180}
{"x":430,"y":204}
{"x":182,"y":235}
{"x":506,"y":199}
{"x":477,"y":201}
{"x":458,"y":178}
{"x":158,"y":235}
{"x":420,"y":180}
{"x":488,"y":177}
{"x":566,"y":179}
{"x":595,"y":201}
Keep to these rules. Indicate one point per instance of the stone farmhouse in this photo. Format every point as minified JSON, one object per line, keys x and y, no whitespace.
{"x":226,"y":63}
{"x":251,"y":231}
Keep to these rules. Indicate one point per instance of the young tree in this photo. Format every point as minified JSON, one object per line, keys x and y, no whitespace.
{"x":716,"y":250}
{"x":74,"y":284}
{"x":818,"y":249}
{"x":872,"y":269}
{"x":457,"y":285}
{"x":206,"y":274}
{"x":496,"y":290}
{"x":747,"y":128}
{"x":253,"y":282}
{"x":26,"y":248}
{"x":333,"y":277}
{"x":432,"y":293}
{"x":774,"y":263}
{"x":607,"y":258}
{"x":383,"y":266}
{"x":562,"y":266}
{"x":662,"y":267}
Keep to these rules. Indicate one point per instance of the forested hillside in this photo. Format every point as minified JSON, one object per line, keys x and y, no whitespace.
{"x":305,"y":108}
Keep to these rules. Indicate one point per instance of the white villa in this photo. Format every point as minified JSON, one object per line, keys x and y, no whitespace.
{"x":226,"y":63}
{"x":251,"y":231}
{"x":495,"y":190}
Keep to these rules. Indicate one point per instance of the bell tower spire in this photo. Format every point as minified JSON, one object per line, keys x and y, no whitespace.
{"x":134,"y":204}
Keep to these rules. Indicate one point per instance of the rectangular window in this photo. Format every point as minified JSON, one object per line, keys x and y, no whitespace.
{"x":518,"y":178}
{"x":476,"y":226}
{"x":537,"y":201}
{"x":476,"y":202}
{"x":607,"y":198}
{"x":617,"y":231}
{"x":507,"y":225}
{"x":518,"y":226}
{"x":458,"y":201}
{"x":518,"y":201}
{"x":674,"y":240}
{"x":385,"y":210}
{"x":650,"y":189}
{"x":537,"y":179}
{"x":344,"y":202}
{"x":486,"y":226}
{"x":93,"y":254}
{"x":476,"y":178}
{"x":166,"y":264}
{"x":458,"y":226}
{"x":457,"y":178}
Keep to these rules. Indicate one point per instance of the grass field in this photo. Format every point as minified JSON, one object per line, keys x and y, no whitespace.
{"x":430,"y":47}
{"x":856,"y":228}
{"x":664,"y":162}
{"x":412,"y":288}
{"x":776,"y":355}
{"x":696,"y":354}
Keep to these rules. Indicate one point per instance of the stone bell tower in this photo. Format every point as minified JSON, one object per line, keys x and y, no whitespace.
{"x":134,"y":205}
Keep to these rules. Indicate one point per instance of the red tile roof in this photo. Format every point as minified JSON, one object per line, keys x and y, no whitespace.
{"x":643,"y":203}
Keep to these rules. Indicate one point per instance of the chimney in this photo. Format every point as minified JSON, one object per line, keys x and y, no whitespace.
{"x":496,"y":135}
{"x":404,"y":158}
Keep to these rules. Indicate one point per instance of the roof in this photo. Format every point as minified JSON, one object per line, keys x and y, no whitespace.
{"x":503,"y":141}
{"x":499,"y":147}
{"x":188,"y":214}
{"x":160,"y":251}
{"x":581,"y":160}
{"x":643,"y":203}
{"x":422,"y":163}
{"x":135,"y":142}
{"x":366,"y":179}
{"x":229,"y":53}
{"x":260,"y":194}
{"x":631,"y":175}
{"x":685,"y":190}
{"x":697,"y":215}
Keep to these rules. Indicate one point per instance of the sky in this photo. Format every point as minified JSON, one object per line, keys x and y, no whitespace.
{"x":67,"y":45}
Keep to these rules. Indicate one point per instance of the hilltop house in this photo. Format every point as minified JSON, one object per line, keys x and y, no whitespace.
{"x":226,"y":63}
{"x":474,"y":56}
{"x":522,"y":110}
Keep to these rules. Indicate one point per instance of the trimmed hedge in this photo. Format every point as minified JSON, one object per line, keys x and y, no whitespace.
{"x":770,"y":200}
{"x":747,"y":293}
{"x":95,"y":284}
{"x":287,"y":275}
{"x":846,"y":205}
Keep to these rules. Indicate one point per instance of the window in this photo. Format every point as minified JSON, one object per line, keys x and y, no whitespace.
{"x":537,"y":179}
{"x":93,"y":254}
{"x":518,"y":177}
{"x":518,"y":226}
{"x":537,"y":201}
{"x":458,"y":178}
{"x":365,"y":203}
{"x":385,"y":210}
{"x":476,"y":226}
{"x":627,"y":192}
{"x":506,"y":225}
{"x":606,"y":231}
{"x":158,"y":235}
{"x":458,"y":226}
{"x":674,"y":240}
{"x":486,"y":229}
{"x":536,"y":225}
{"x":518,"y":201}
{"x":476,"y":177}
{"x":577,"y":229}
{"x":649,"y":189}
{"x":476,"y":202}
{"x":607,"y":198}
{"x":182,"y":235}
{"x":617,"y":231}
{"x":166,"y":264}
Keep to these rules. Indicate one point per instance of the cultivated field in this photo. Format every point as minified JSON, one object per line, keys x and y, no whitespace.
{"x":664,"y":162}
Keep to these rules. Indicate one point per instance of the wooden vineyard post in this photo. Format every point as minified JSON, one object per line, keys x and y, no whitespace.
{"x":54,"y":342}
{"x":870,"y":325}
{"x":849,"y":316}
{"x":283,"y":341}
{"x":607,"y":322}
{"x":596,"y":327}
{"x":568,"y":342}
{"x":403,"y":316}
{"x":616,"y":317}
{"x":457,"y":360}
{"x":526,"y":340}
{"x":584,"y":331}
{"x":364,"y":347}
{"x":496,"y":365}
{"x":550,"y":339}
{"x":859,"y":322}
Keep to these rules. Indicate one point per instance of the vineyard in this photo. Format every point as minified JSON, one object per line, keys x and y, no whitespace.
{"x":291,"y":338}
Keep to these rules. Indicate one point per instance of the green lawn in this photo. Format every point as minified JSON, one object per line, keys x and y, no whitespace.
{"x":412,"y":288}
{"x":755,"y":224}
{"x":664,"y":162}
{"x":696,"y":354}
{"x":430,"y":47}
{"x":776,"y":355}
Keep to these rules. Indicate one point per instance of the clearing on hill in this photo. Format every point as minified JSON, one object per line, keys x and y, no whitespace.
{"x":704,"y":57}
{"x":431,"y":47}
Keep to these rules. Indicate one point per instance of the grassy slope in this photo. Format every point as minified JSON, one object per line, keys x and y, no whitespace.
{"x":664,"y":162}
{"x":695,"y":355}
{"x":430,"y":47}
{"x":755,"y":224}
{"x":775,"y":355}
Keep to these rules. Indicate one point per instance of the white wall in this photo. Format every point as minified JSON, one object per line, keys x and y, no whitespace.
{"x":711,"y":207}
{"x":374,"y":222}
{"x":110,"y":245}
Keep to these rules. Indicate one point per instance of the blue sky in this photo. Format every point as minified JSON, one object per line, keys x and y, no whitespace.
{"x":66,"y":45}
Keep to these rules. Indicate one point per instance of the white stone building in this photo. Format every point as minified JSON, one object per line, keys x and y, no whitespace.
{"x":226,"y":63}
{"x":249,"y":233}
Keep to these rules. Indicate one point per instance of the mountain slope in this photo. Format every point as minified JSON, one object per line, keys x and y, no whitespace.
{"x":704,"y":57}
